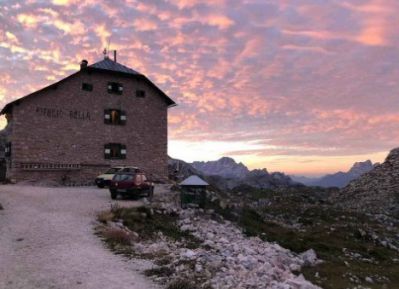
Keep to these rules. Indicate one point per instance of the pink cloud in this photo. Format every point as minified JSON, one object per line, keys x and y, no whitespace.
{"x":310,"y":77}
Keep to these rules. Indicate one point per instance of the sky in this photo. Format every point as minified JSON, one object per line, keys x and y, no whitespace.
{"x":306,"y":87}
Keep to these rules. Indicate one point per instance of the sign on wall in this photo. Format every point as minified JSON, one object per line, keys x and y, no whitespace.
{"x":63,"y":113}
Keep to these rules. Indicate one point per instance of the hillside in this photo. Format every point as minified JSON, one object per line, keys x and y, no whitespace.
{"x":375,"y":191}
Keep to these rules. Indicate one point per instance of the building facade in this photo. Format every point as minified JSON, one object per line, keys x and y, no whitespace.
{"x":106,"y":114}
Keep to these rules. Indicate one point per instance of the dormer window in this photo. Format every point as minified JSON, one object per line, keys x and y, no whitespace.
{"x":114,"y":116}
{"x":115,"y":87}
{"x":87,"y":86}
{"x":140,"y":93}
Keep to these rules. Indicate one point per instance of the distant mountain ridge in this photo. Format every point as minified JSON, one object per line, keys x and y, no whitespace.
{"x":226,"y":173}
{"x":339,"y":179}
{"x":225,"y":167}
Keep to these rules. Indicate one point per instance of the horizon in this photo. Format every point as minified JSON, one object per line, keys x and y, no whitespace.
{"x":318,"y":175}
{"x":306,"y":88}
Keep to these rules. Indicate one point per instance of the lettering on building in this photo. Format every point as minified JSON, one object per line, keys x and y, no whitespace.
{"x":60,"y":113}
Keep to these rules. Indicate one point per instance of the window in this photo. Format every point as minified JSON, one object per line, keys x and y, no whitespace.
{"x":87,"y":86}
{"x":114,"y":87}
{"x":140,"y":93}
{"x":114,"y":116}
{"x":123,"y":177}
{"x":114,"y":151}
{"x":7,"y":149}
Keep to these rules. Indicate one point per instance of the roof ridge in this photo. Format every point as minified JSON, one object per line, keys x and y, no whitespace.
{"x":108,"y":64}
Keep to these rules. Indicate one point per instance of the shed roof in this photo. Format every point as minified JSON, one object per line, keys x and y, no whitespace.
{"x":194,"y":181}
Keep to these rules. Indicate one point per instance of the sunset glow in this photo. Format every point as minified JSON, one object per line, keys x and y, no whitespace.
{"x":300,"y":86}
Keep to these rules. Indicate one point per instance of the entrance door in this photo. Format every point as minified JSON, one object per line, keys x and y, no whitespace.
{"x":3,"y":170}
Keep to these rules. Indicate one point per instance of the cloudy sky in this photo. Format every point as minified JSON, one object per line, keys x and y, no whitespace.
{"x":300,"y":86}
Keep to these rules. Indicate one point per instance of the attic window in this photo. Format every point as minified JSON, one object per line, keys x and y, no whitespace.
{"x":140,"y":93}
{"x":114,"y":151}
{"x":87,"y":86}
{"x":114,"y":87}
{"x":114,"y":116}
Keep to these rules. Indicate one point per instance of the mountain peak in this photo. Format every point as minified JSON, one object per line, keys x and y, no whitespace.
{"x":360,"y":168}
{"x":227,"y":160}
{"x":226,"y":167}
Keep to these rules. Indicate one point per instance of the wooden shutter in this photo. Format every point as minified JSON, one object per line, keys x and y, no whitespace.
{"x":123,"y":151}
{"x":107,"y":116}
{"x":122,"y":117}
{"x":107,"y":151}
{"x":109,"y":87}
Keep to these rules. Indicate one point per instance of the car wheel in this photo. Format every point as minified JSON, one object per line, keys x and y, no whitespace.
{"x":100,"y":185}
{"x":114,"y":195}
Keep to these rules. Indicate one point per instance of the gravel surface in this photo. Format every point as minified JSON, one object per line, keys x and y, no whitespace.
{"x":47,"y":241}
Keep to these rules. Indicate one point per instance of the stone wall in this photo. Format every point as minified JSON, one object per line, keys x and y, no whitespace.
{"x":65,"y":125}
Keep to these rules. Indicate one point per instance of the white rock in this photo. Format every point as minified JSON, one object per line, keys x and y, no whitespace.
{"x":309,"y":257}
{"x":189,"y":254}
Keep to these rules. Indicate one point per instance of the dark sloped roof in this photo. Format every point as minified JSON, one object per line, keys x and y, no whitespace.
{"x":108,"y":64}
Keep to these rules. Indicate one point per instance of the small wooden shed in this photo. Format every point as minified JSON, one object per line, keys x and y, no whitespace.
{"x":193,"y":192}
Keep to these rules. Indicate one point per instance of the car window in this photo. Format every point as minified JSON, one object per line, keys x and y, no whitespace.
{"x":123,"y":177}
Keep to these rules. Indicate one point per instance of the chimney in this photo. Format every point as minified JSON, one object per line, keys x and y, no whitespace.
{"x":115,"y":55}
{"x":83,"y":64}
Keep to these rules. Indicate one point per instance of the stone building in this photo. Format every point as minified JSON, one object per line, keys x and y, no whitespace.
{"x":106,"y":114}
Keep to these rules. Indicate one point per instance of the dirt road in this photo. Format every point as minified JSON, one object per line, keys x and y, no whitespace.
{"x":47,"y":241}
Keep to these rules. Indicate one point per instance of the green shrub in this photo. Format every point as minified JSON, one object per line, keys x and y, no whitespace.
{"x":181,"y":284}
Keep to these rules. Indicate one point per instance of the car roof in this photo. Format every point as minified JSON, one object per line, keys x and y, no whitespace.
{"x":129,"y":173}
{"x":124,"y":167}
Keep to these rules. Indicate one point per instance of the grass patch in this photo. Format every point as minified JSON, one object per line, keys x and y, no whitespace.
{"x":162,"y":271}
{"x":149,"y":224}
{"x":105,"y":217}
{"x":181,"y":284}
{"x":118,"y":240}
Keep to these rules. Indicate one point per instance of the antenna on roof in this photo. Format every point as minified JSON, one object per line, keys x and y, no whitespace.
{"x":105,"y":52}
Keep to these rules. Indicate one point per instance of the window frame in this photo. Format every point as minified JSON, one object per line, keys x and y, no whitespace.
{"x":108,"y":119}
{"x":7,"y":149}
{"x":120,"y":155}
{"x":141,"y":93}
{"x":115,"y":87}
{"x":87,"y":87}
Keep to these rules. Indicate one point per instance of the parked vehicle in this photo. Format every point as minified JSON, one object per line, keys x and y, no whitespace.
{"x":104,"y":180}
{"x":133,"y":184}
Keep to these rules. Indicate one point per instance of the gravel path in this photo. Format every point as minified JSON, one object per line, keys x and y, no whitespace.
{"x":47,"y":241}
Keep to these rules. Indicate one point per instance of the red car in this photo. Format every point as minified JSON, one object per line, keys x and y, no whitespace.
{"x":134,"y":184}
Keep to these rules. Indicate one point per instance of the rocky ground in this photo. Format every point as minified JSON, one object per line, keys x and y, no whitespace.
{"x":200,"y":248}
{"x":47,"y":241}
{"x":359,"y":250}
